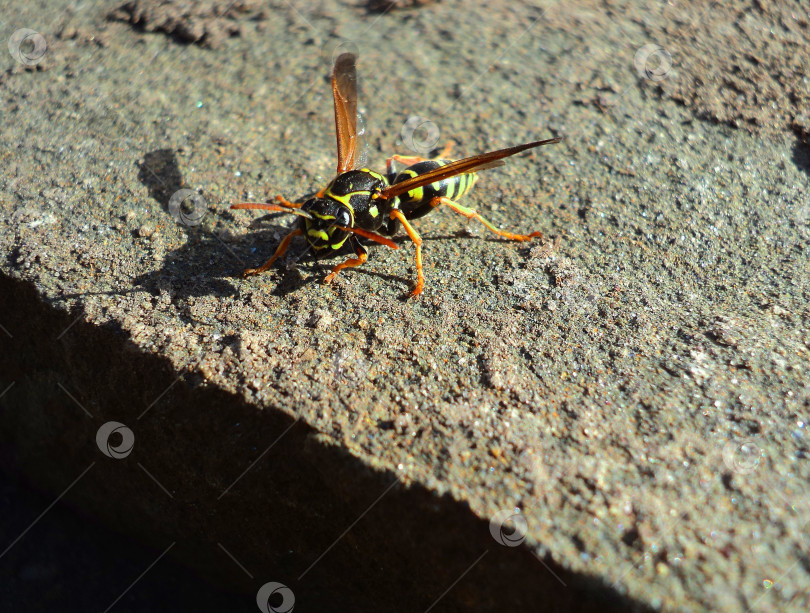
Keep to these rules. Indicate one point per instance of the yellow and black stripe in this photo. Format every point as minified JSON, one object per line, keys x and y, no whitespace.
{"x":417,"y":202}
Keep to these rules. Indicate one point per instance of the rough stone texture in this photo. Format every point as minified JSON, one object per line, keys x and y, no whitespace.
{"x":203,"y":22}
{"x":745,"y":64}
{"x":637,"y":389}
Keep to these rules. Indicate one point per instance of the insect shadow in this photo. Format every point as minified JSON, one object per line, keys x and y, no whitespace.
{"x":206,"y":264}
{"x":160,"y":174}
{"x":801,"y":154}
{"x":186,"y":271}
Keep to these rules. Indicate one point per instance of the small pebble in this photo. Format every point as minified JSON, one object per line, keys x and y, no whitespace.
{"x":321,"y":319}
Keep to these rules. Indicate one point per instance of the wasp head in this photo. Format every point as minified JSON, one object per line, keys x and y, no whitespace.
{"x":326,"y":217}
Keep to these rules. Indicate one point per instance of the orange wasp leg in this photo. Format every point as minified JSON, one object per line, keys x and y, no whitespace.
{"x":417,"y":240}
{"x":472,"y":214}
{"x":282,"y":248}
{"x":285,"y":202}
{"x":410,"y":160}
{"x":377,"y":238}
{"x":362,"y":256}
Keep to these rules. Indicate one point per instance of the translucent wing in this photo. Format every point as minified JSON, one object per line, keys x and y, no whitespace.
{"x":361,"y":146}
{"x":344,"y":90}
{"x":471,"y":164}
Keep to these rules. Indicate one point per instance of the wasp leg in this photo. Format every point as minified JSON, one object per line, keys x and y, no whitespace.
{"x":282,"y":248}
{"x":448,"y":148}
{"x":410,"y":160}
{"x":362,"y":256}
{"x":297,"y":205}
{"x":417,"y":240}
{"x":285,"y":202}
{"x":472,"y":214}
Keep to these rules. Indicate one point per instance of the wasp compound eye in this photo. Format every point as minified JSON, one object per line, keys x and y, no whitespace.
{"x":343,"y":218}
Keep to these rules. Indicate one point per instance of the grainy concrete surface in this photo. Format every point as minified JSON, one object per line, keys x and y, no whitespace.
{"x":632,"y":391}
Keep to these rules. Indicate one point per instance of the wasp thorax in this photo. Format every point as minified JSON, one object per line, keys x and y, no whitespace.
{"x":322,"y":227}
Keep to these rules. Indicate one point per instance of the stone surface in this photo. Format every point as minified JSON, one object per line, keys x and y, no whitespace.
{"x":633,"y":389}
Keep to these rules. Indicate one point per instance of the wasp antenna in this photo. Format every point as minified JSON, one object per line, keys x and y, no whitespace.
{"x":299,"y":212}
{"x":266,"y":206}
{"x":298,"y":258}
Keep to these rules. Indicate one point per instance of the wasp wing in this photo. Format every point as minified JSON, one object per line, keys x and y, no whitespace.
{"x":471,"y":164}
{"x":344,"y":90}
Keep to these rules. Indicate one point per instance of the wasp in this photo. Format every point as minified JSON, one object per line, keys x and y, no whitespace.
{"x":361,"y":205}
